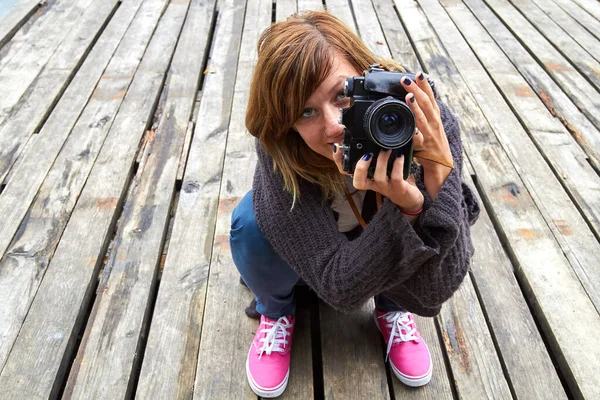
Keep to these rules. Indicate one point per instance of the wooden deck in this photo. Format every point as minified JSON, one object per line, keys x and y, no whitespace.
{"x":123,"y":153}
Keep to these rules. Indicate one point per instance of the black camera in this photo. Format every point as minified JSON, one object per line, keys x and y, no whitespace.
{"x":379,"y":119}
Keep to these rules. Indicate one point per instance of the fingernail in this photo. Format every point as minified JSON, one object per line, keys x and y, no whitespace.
{"x":412,"y":98}
{"x":399,"y":155}
{"x":367,"y":157}
{"x":407,"y":81}
{"x":421,"y":76}
{"x":334,"y":147}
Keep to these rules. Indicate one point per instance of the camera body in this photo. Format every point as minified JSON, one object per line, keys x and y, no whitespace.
{"x":379,"y":119}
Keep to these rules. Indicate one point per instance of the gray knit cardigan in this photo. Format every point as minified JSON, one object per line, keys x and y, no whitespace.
{"x":418,"y":267}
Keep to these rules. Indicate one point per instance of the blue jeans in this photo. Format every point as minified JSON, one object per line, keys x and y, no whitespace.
{"x":270,"y":278}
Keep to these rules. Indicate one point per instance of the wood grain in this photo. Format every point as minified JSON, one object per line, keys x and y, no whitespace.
{"x":519,"y":221}
{"x":42,"y":351}
{"x":37,"y":90}
{"x":23,"y":266}
{"x":547,"y":154}
{"x":16,"y":17}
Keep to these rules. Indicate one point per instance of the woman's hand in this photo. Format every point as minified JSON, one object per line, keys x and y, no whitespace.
{"x":432,"y":140}
{"x":403,"y":193}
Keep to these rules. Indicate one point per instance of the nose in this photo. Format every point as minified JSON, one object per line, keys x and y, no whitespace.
{"x":333,"y":122}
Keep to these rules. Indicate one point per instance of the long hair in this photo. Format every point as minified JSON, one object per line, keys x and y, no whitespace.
{"x":294,"y":58}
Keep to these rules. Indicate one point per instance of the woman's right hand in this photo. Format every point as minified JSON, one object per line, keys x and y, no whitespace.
{"x":404,"y":193}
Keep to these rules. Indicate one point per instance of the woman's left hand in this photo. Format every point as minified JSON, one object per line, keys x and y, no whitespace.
{"x":430,"y":136}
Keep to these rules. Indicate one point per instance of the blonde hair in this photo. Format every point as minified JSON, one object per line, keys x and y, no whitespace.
{"x":294,"y":58}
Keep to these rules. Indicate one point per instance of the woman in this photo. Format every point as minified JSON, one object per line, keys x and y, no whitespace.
{"x":297,"y":224}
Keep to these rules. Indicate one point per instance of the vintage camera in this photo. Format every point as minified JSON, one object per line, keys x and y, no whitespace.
{"x":379,"y":119}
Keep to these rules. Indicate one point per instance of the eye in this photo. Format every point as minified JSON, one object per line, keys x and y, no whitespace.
{"x":308,"y":112}
{"x":341,"y":95}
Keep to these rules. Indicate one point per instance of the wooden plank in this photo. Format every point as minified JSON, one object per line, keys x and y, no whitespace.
{"x":395,"y":35}
{"x":524,"y":354}
{"x":285,"y":8}
{"x":44,"y":222}
{"x":342,"y":9}
{"x":304,"y":5}
{"x":49,"y":84}
{"x":43,"y":349}
{"x":475,"y":365}
{"x":218,"y":175}
{"x":584,"y":132}
{"x":176,"y":323}
{"x":186,"y":147}
{"x":369,"y":28}
{"x":569,"y":164}
{"x":581,"y":56}
{"x":590,"y":6}
{"x":19,"y":69}
{"x":579,"y":90}
{"x":569,"y":25}
{"x":584,"y":18}
{"x":554,"y":291}
{"x":353,"y":359}
{"x":130,"y":275}
{"x":16,"y":17}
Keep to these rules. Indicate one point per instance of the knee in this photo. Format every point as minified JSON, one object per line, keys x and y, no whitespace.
{"x":243,"y":220}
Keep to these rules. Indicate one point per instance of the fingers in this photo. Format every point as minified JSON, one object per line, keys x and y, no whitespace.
{"x":420,"y":117}
{"x":398,"y":170}
{"x":380,"y":176}
{"x":361,"y":180}
{"x":423,"y":95}
{"x":423,"y":83}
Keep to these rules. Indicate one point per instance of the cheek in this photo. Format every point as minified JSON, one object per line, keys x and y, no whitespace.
{"x":310,"y":135}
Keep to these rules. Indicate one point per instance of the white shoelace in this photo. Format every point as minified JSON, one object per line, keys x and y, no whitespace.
{"x":401,"y":330}
{"x":276,"y":338}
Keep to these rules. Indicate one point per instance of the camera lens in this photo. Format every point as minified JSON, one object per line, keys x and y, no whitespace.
{"x":389,"y":122}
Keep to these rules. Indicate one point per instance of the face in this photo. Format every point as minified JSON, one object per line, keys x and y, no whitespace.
{"x":319,"y":124}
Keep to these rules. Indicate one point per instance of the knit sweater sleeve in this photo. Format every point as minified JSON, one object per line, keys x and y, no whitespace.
{"x":387,"y":254}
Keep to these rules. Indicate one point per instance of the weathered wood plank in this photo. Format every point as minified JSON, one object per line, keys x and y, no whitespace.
{"x":342,"y":9}
{"x":16,"y":17}
{"x":304,"y":5}
{"x":554,"y":290}
{"x":584,"y":132}
{"x":31,"y":110}
{"x":39,"y":358}
{"x":353,"y":360}
{"x":369,"y":28}
{"x":397,"y":39}
{"x":285,"y":8}
{"x":169,"y":364}
{"x":581,"y":55}
{"x":218,"y":175}
{"x":546,"y":136}
{"x":130,"y":274}
{"x":579,"y":90}
{"x":186,"y":147}
{"x":582,"y":16}
{"x":475,"y":365}
{"x":590,"y":6}
{"x":44,"y":223}
{"x":19,"y":69}
{"x":524,"y":354}
{"x":568,"y":24}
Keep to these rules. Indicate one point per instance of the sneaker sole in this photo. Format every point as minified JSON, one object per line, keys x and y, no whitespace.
{"x":408,"y":380}
{"x":262,"y":392}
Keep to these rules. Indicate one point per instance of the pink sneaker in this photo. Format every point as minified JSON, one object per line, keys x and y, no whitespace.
{"x":407,"y":351}
{"x":268,"y":363}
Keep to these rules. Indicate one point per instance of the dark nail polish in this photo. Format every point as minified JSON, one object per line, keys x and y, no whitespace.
{"x":399,"y":155}
{"x":412,"y":98}
{"x":334,"y":147}
{"x":421,"y":76}
{"x":407,"y":81}
{"x":367,"y":157}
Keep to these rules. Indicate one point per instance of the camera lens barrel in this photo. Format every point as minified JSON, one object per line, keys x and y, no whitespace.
{"x":389,"y":122}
